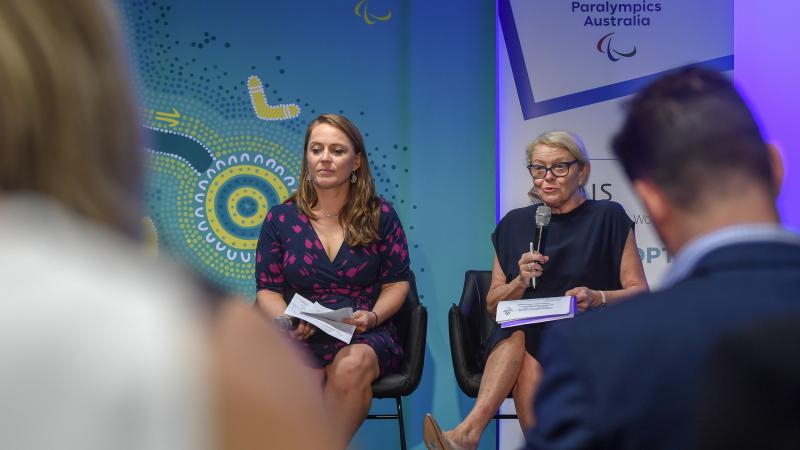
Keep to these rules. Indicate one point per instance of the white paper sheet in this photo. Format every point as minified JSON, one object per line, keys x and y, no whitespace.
{"x":326,"y":319}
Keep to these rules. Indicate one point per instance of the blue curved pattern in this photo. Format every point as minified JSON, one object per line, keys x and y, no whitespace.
{"x":183,"y":147}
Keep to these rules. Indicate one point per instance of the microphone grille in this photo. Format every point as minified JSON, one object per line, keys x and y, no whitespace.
{"x":283,"y":323}
{"x":543,"y":214}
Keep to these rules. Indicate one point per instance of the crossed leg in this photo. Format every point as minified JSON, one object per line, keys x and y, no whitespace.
{"x":500,"y":375}
{"x":525,"y":389}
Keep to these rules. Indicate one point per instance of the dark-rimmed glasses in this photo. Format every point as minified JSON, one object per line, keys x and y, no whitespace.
{"x":558,"y":169}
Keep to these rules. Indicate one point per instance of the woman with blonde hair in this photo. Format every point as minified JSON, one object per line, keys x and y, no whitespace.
{"x":337,"y":243}
{"x":68,"y":127}
{"x":101,"y":346}
{"x":589,"y":252}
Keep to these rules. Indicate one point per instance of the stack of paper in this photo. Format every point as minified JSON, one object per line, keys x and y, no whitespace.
{"x":512,"y":313}
{"x":326,"y":319}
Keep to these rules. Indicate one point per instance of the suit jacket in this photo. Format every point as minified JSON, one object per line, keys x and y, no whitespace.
{"x":750,"y":391}
{"x":627,"y":377}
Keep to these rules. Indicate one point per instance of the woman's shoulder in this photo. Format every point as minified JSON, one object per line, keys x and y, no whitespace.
{"x":608,"y":208}
{"x":519,"y":214}
{"x":389,"y":222}
{"x":286,"y":209}
{"x":288,"y":205}
{"x":386,"y":207}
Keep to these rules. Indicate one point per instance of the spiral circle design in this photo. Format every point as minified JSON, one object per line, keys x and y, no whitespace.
{"x":236,"y":202}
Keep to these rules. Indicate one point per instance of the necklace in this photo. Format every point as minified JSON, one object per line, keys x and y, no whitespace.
{"x":328,"y":215}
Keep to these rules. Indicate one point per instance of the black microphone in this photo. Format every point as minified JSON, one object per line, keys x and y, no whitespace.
{"x":286,"y":322}
{"x":543,"y":214}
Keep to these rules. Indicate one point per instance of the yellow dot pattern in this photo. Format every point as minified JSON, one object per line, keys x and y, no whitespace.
{"x":177,"y":224}
{"x":258,"y":217}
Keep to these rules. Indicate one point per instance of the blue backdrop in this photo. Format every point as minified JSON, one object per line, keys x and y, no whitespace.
{"x":228,"y":88}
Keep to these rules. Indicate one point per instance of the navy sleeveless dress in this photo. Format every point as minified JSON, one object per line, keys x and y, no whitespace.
{"x":290,"y":258}
{"x":585,"y":248}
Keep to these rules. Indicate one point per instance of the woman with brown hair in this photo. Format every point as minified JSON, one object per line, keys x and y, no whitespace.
{"x":337,"y":243}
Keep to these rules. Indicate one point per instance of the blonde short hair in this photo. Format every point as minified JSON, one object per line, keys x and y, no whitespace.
{"x":68,"y":127}
{"x":567,"y":140}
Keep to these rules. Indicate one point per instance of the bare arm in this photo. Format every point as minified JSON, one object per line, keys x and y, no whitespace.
{"x":389,"y":302}
{"x":631,"y":276}
{"x":631,"y":272}
{"x":500,"y":290}
{"x":270,"y":303}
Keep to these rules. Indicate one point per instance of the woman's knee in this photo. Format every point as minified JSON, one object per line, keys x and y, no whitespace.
{"x":508,"y":353}
{"x":517,"y":339}
{"x":514,"y":342}
{"x":516,"y":346}
{"x":353,"y":369}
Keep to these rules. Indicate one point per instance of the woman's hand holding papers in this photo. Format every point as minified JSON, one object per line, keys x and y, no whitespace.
{"x":585,"y":297}
{"x":363,"y":320}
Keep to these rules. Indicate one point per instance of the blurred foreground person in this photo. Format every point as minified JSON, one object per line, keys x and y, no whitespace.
{"x":100,"y":347}
{"x":629,"y":378}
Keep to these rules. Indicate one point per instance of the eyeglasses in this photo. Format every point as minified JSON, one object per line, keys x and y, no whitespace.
{"x":558,"y":169}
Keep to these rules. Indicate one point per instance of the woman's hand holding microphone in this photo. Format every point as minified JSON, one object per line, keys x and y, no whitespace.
{"x":294,"y":327}
{"x":303,"y":331}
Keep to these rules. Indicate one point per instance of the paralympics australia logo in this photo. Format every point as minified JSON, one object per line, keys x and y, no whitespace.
{"x":604,"y":45}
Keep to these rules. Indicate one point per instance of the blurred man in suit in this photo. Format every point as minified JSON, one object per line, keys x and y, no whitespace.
{"x":627,"y":377}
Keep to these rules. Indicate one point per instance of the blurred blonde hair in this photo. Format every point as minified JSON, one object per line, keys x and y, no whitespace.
{"x":567,"y":140}
{"x":361,"y":214}
{"x":68,"y":127}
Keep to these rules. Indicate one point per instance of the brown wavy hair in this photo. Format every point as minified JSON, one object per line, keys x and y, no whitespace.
{"x":361,"y":214}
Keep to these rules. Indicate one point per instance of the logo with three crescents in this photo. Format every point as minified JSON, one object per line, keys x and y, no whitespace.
{"x":604,"y":45}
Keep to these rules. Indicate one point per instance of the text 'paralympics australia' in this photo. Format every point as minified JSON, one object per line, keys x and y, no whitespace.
{"x":605,"y":13}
